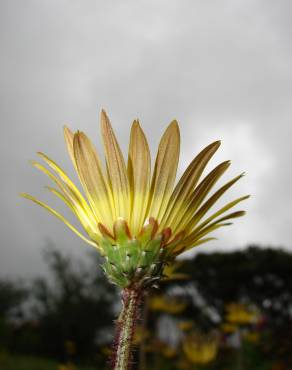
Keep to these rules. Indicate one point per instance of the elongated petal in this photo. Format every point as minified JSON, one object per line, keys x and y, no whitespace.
{"x":183,"y":215}
{"x":74,"y":191}
{"x":210,"y":202}
{"x":60,"y":217}
{"x":69,"y":138}
{"x":77,"y":202}
{"x":92,"y":178}
{"x":89,"y":225}
{"x":195,"y":236}
{"x":202,"y":241}
{"x":231,"y":215}
{"x":165,"y":171}
{"x":195,"y":243}
{"x":62,"y":197}
{"x":204,"y":229}
{"x":187,"y":182}
{"x":224,"y":209}
{"x":139,"y":172}
{"x":199,"y":229}
{"x":117,"y":171}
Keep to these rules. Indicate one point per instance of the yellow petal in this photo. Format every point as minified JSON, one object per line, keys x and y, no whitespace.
{"x":89,"y":225}
{"x":224,"y":209}
{"x":116,"y":168}
{"x":60,"y":217}
{"x":92,"y":178}
{"x":69,"y":137}
{"x":139,"y":172}
{"x":165,"y":171}
{"x":69,"y":140}
{"x":210,"y":202}
{"x":62,"y":197}
{"x":195,"y":236}
{"x":204,"y":229}
{"x":187,"y":182}
{"x":189,"y":244}
{"x":70,"y":194}
{"x":74,"y":192}
{"x":183,"y":214}
{"x":202,"y":241}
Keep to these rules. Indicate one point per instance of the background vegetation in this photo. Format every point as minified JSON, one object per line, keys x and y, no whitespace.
{"x":215,"y":311}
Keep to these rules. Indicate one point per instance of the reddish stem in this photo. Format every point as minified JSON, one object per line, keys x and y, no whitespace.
{"x":125,"y":327}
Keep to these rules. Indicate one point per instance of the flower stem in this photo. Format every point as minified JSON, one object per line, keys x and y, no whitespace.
{"x":125,"y":329}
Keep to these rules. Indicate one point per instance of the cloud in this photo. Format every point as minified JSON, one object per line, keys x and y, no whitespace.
{"x":221,"y":69}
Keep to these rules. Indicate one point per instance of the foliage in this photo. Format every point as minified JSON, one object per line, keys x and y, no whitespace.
{"x":255,"y":275}
{"x":75,"y":306}
{"x":8,"y":362}
{"x":69,"y":316}
{"x":78,"y":306}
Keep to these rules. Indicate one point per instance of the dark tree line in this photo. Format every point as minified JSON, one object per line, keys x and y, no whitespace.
{"x":74,"y":308}
{"x":262,"y":276}
{"x":72,"y":313}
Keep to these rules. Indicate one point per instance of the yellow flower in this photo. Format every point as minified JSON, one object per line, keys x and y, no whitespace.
{"x":140,"y":335}
{"x":168,"y":351}
{"x":200,"y":349}
{"x":68,"y":366}
{"x":240,"y":314}
{"x":166,"y":304}
{"x":138,"y":220}
{"x":252,"y":336}
{"x":228,"y":328}
{"x":186,"y":325}
{"x":170,"y":272}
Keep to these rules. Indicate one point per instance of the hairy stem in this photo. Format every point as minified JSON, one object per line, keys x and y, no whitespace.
{"x":142,"y":353}
{"x":125,"y":329}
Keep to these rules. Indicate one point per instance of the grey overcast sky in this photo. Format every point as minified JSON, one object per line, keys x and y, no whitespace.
{"x":221,"y":68}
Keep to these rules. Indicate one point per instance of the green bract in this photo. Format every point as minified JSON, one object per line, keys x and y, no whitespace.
{"x":135,"y":262}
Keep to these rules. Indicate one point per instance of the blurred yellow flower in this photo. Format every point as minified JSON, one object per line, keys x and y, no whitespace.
{"x":228,"y":328}
{"x":168,"y":351}
{"x":252,"y":336}
{"x":170,"y":272}
{"x":240,"y":314}
{"x":185,"y":325}
{"x":68,"y":366}
{"x":199,"y":348}
{"x":140,"y":334}
{"x":184,"y":364}
{"x":165,"y":304}
{"x":155,"y":345}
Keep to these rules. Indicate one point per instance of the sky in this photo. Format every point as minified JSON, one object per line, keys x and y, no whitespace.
{"x":221,"y":68}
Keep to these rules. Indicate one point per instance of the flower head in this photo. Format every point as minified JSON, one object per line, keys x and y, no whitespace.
{"x":168,"y":304}
{"x":199,"y":348}
{"x":241,"y":314}
{"x":138,"y":220}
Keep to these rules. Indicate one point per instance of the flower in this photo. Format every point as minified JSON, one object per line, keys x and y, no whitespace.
{"x":186,"y":325}
{"x":170,"y":272}
{"x":229,"y":328}
{"x":139,"y":222}
{"x":68,"y":366}
{"x":168,"y":304}
{"x":140,"y":335}
{"x":240,"y":314}
{"x":199,"y":348}
{"x":252,"y":336}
